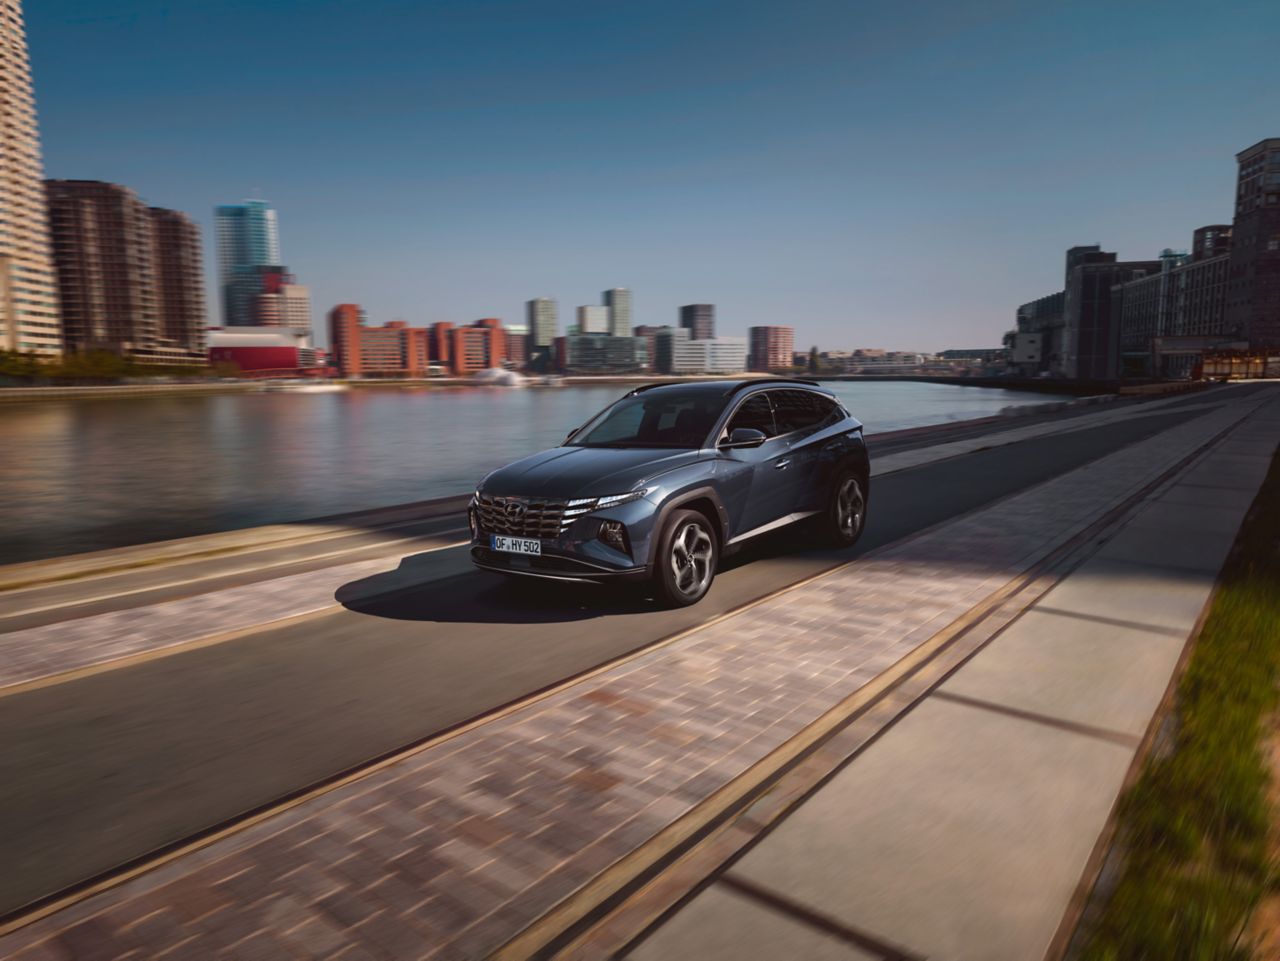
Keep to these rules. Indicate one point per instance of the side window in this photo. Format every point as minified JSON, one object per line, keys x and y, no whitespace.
{"x":756,"y":414}
{"x":801,"y":410}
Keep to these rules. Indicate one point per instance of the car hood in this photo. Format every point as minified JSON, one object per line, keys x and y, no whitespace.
{"x":566,"y":472}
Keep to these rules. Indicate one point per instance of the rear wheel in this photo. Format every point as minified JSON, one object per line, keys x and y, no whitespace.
{"x":846,"y":513}
{"x":685,"y":564}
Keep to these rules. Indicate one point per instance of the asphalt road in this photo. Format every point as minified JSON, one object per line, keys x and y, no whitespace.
{"x":103,"y":769}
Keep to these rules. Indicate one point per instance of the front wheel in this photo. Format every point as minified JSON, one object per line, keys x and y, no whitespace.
{"x":846,"y":513}
{"x":685,"y":564}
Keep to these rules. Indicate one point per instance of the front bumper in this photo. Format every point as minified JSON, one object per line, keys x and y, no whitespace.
{"x":576,"y":553}
{"x":550,"y":566}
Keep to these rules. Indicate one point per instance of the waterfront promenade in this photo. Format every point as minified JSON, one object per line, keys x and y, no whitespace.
{"x":339,"y":741}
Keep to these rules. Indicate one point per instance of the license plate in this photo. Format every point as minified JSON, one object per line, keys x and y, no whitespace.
{"x":515,"y":545}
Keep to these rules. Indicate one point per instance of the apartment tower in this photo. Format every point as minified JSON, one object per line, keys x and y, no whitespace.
{"x":699,"y":320}
{"x":541,"y":315}
{"x":618,"y":301}
{"x":128,"y":275}
{"x":29,"y":315}
{"x":771,"y":347}
{"x":179,"y":277}
{"x":1253,"y":284}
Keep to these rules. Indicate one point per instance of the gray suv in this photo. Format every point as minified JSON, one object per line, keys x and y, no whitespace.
{"x":660,"y":485}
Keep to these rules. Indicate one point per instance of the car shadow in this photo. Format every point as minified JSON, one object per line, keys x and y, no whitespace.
{"x":416,"y":591}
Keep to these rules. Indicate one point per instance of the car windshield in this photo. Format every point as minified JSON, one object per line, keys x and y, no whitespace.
{"x":662,"y":419}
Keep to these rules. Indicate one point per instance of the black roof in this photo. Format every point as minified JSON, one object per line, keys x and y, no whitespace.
{"x":723,"y":387}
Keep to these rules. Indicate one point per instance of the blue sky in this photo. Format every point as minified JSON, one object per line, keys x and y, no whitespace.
{"x":896,"y":175}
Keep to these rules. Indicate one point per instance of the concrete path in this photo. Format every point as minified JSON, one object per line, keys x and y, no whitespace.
{"x":963,"y":832}
{"x":455,"y":848}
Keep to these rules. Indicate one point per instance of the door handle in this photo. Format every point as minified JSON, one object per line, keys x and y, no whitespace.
{"x":782,"y":464}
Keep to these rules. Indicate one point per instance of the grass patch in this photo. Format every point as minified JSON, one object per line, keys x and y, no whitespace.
{"x":1196,"y":826}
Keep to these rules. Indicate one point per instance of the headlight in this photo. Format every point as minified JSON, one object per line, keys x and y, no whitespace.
{"x":614,"y":500}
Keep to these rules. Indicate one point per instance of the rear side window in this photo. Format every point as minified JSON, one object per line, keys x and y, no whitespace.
{"x":755,"y":414}
{"x":802,"y":410}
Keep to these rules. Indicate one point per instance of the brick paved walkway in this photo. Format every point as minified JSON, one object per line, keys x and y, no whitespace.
{"x":39,"y":652}
{"x":451,"y":851}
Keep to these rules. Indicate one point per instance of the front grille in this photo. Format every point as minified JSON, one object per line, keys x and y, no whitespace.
{"x":528,"y":516}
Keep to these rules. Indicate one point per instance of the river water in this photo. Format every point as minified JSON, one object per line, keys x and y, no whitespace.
{"x":82,"y":475}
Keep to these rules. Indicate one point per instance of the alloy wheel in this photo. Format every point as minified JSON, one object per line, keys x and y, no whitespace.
{"x":692,"y":553}
{"x":850,"y":508}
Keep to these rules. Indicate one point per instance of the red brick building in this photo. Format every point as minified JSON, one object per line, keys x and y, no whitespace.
{"x":396,"y":349}
{"x":345,"y":323}
{"x":440,"y":336}
{"x":517,"y":349}
{"x":479,"y":346}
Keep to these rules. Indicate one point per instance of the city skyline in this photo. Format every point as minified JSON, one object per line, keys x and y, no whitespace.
{"x":824,"y":225}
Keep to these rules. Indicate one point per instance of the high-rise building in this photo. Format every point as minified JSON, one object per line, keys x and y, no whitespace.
{"x":251,"y":277}
{"x":542,"y":321}
{"x":101,"y":236}
{"x":771,"y":347}
{"x":603,"y":353}
{"x":593,"y":319}
{"x":715,"y":355}
{"x":29,"y":315}
{"x":699,"y":320}
{"x":1091,"y":335}
{"x":1079,"y":336}
{"x":248,"y":238}
{"x":667,"y":341}
{"x":1253,"y":291}
{"x":118,"y":291}
{"x":179,"y":277}
{"x":618,"y":302}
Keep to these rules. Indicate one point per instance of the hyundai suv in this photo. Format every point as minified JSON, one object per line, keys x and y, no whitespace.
{"x":660,"y":485}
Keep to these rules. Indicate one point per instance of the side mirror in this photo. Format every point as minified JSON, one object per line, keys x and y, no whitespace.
{"x":743,"y":437}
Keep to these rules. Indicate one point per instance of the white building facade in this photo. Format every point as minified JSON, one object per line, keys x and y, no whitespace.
{"x":593,"y":319}
{"x":618,"y":302}
{"x":29,"y":315}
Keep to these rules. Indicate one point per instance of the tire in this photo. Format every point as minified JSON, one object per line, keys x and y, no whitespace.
{"x":685,"y":563}
{"x":843,"y":520}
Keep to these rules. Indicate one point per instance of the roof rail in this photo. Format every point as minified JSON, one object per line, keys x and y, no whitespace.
{"x":774,"y":380}
{"x":740,"y":385}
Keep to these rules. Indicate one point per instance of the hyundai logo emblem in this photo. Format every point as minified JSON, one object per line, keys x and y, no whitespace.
{"x":515,"y":510}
